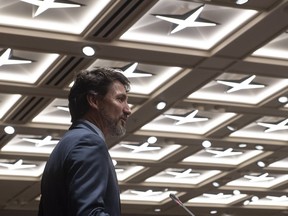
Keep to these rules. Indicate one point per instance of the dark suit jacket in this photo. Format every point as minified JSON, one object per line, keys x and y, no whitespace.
{"x":79,"y":177}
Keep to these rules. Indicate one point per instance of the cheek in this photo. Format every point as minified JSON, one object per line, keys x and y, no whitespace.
{"x":114,"y":109}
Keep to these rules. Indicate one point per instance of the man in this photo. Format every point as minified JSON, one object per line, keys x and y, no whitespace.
{"x":79,"y":178}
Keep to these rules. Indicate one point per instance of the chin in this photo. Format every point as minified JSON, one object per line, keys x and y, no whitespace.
{"x":118,"y":131}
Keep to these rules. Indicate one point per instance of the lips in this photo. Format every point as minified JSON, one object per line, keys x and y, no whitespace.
{"x":123,"y":120}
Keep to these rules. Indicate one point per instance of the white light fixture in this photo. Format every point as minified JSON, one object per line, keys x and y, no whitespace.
{"x":114,"y":162}
{"x":259,"y":147}
{"x":231,"y":128}
{"x":240,"y":2}
{"x":283,"y":99}
{"x":152,"y":140}
{"x":88,"y":50}
{"x":161,"y":105}
{"x":246,"y":202}
{"x":206,"y":144}
{"x":215,"y":184}
{"x":9,"y":129}
{"x":254,"y":198}
{"x":261,"y":164}
{"x":242,"y":145}
{"x":236,"y":192}
{"x":213,"y":212}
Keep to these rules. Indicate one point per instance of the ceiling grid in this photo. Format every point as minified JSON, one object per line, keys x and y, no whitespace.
{"x":219,"y":144}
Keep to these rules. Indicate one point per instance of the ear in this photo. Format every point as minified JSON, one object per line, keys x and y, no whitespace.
{"x":92,"y":101}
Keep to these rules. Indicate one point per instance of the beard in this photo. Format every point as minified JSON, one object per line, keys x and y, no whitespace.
{"x":115,"y":127}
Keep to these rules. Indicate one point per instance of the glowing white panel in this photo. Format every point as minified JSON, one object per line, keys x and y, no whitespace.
{"x":247,"y":183}
{"x":119,"y":151}
{"x":35,"y":171}
{"x":202,"y":157}
{"x":6,"y":102}
{"x":27,"y":73}
{"x":68,"y":20}
{"x":281,"y":164}
{"x":162,"y":123}
{"x":150,"y":29}
{"x":125,"y":171}
{"x":54,"y":113}
{"x":19,"y":145}
{"x":142,"y":85}
{"x":218,"y":92}
{"x":145,"y":197}
{"x":277,"y":48}
{"x":225,"y":199}
{"x":254,"y":130}
{"x":165,"y":178}
{"x":270,"y":201}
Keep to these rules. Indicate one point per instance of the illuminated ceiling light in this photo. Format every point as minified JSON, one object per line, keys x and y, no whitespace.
{"x":215,"y":184}
{"x":255,"y":198}
{"x":225,"y":153}
{"x":17,"y":165}
{"x":236,"y":192}
{"x":157,"y":210}
{"x":274,"y":127}
{"x":262,"y":177}
{"x":5,"y":59}
{"x":246,"y":202}
{"x":283,"y":99}
{"x":183,"y":174}
{"x":88,"y":51}
{"x":242,"y":145}
{"x":213,"y":212}
{"x":261,"y":164}
{"x":189,"y":19}
{"x":152,"y":140}
{"x":143,"y":147}
{"x":146,"y":193}
{"x":9,"y":129}
{"x":259,"y":147}
{"x":206,"y":144}
{"x":41,"y":142}
{"x":114,"y":162}
{"x":48,"y":4}
{"x":242,"y":85}
{"x":240,"y":2}
{"x":231,"y":128}
{"x":131,"y":71}
{"x":189,"y":118}
{"x":66,"y":109}
{"x":161,"y":105}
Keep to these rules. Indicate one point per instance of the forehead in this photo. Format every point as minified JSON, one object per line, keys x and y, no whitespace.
{"x":116,"y":88}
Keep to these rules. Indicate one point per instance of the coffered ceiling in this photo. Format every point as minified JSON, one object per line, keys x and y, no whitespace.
{"x":220,"y":143}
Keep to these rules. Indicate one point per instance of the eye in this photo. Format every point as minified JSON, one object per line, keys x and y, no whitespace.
{"x":121,"y":99}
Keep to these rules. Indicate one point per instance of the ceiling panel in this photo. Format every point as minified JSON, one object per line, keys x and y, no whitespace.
{"x":219,"y":143}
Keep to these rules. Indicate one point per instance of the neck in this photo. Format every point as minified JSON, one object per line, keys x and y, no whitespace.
{"x":97,"y":121}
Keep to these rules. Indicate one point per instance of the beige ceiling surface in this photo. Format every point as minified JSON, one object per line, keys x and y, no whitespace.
{"x":220,"y":144}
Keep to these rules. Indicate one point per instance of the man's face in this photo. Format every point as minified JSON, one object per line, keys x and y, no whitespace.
{"x":114,"y":109}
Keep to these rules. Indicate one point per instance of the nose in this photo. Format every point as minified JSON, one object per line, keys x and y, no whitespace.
{"x":127,"y":109}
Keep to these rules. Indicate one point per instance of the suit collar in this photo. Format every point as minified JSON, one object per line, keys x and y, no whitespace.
{"x":88,"y":125}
